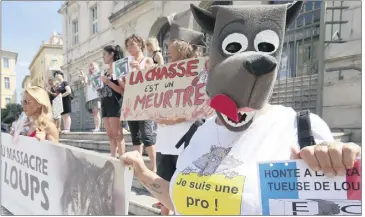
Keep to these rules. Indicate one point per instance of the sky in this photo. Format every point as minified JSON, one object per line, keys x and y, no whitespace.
{"x":25,"y":24}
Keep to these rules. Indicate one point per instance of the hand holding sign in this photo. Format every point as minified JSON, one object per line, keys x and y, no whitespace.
{"x":331,"y":157}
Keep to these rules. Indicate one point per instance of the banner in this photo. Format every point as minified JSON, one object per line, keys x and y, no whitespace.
{"x":121,"y":67}
{"x":175,"y":90}
{"x":93,"y":85}
{"x":291,"y":188}
{"x":57,"y":106}
{"x":42,"y":178}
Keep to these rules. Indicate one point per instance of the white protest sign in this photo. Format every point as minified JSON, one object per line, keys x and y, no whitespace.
{"x":42,"y":178}
{"x":121,"y":67}
{"x":174,"y":90}
{"x":291,"y":188}
{"x":57,"y":105}
{"x":93,"y":85}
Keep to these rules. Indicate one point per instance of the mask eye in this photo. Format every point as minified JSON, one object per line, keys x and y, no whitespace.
{"x":234,"y":43}
{"x":266,"y":41}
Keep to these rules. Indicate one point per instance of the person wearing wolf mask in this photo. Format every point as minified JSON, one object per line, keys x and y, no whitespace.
{"x":220,"y":164}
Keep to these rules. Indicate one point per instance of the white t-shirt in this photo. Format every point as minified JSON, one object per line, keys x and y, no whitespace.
{"x":217,"y":173}
{"x":168,"y":136}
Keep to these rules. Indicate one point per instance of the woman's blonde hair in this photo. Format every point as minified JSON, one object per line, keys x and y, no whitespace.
{"x":42,"y":98}
{"x":184,"y":50}
{"x":154,"y":43}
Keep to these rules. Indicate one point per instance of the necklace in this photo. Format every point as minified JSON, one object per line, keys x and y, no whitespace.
{"x":234,"y":140}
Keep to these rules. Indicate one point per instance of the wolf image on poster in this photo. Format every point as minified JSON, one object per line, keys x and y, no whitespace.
{"x":121,"y":67}
{"x":88,"y":189}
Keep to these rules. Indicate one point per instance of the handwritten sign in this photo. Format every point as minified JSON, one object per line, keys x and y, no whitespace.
{"x":93,"y":85}
{"x":121,"y":67}
{"x":57,"y":107}
{"x":291,"y":188}
{"x":175,"y":90}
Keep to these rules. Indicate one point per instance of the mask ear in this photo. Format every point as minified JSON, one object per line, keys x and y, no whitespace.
{"x":293,"y":12}
{"x":204,"y":18}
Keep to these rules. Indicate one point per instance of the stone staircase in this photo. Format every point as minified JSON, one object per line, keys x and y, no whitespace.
{"x":141,"y":201}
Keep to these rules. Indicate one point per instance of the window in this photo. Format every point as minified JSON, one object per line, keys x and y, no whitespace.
{"x":7,"y":100}
{"x":75,"y":32}
{"x":6,"y":63}
{"x":53,"y":62}
{"x":94,"y":19}
{"x":7,"y":82}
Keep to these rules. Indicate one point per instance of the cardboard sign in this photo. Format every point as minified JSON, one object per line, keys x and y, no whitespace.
{"x":291,"y":188}
{"x":121,"y":67}
{"x":42,"y":178}
{"x":94,"y":85}
{"x":57,"y":105}
{"x":175,"y":90}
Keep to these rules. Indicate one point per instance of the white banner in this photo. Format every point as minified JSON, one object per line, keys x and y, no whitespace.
{"x":42,"y":178}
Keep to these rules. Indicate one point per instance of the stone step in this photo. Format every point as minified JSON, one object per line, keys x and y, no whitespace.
{"x":97,"y":136}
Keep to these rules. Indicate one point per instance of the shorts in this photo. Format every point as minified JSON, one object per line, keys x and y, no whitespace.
{"x":143,"y":132}
{"x":110,"y":112}
{"x":166,"y":165}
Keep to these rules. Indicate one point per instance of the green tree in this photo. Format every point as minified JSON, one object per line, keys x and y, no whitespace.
{"x":9,"y":113}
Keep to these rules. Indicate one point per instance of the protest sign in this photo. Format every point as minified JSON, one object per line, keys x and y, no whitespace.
{"x":121,"y":67}
{"x":42,"y":178}
{"x":175,"y":90}
{"x":57,"y":106}
{"x":291,"y":188}
{"x":93,"y":85}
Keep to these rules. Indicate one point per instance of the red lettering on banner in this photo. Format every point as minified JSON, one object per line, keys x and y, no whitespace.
{"x":158,"y":103}
{"x":190,"y":96}
{"x":198,"y":94}
{"x":187,"y":96}
{"x":190,"y":66}
{"x":181,"y":69}
{"x":166,"y":100}
{"x":178,"y":96}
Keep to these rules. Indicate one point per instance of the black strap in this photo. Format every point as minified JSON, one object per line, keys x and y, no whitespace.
{"x":189,"y":134}
{"x":305,"y":136}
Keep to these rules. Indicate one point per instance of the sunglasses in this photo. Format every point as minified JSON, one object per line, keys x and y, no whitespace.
{"x":26,"y":102}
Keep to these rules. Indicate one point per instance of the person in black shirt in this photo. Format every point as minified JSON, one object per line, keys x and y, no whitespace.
{"x":64,"y":88}
{"x":51,"y":90}
{"x":154,"y":50}
{"x":111,"y":95}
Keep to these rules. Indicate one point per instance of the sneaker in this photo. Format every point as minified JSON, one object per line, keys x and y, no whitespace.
{"x":95,"y":130}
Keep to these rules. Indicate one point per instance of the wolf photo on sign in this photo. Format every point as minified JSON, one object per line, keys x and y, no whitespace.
{"x":121,"y":67}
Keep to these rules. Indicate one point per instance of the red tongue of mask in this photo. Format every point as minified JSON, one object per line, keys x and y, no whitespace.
{"x":226,"y":106}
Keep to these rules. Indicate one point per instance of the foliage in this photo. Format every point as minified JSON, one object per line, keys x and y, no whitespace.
{"x":9,"y":113}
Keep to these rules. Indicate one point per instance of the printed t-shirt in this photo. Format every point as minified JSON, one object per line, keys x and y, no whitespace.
{"x":168,"y":136}
{"x":217,"y":173}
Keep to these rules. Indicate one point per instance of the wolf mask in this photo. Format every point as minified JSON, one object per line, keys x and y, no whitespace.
{"x":244,"y":57}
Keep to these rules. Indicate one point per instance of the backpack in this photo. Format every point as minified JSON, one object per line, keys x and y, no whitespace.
{"x":305,"y":136}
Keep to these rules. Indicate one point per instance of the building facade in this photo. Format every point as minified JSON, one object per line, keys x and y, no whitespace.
{"x":48,"y":58}
{"x":8,"y":77}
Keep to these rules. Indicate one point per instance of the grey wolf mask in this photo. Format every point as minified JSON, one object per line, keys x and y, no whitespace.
{"x":244,"y":57}
{"x":88,"y":189}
